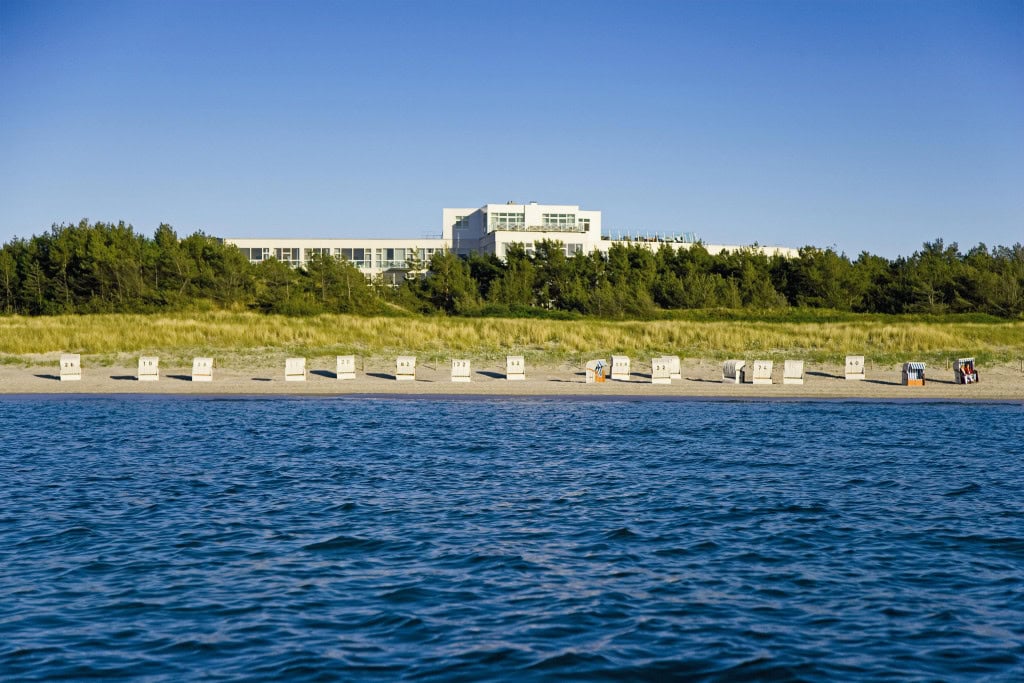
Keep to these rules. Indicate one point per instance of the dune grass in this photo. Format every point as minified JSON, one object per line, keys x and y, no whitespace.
{"x":241,"y":337}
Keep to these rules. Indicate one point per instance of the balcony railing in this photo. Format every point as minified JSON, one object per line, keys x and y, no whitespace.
{"x":648,"y":236}
{"x":518,"y":227}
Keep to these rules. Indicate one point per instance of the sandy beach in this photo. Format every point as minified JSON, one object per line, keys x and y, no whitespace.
{"x":377,"y":377}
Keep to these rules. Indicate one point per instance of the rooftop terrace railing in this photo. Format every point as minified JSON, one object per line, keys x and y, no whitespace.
{"x":520,"y":227}
{"x":649,"y":236}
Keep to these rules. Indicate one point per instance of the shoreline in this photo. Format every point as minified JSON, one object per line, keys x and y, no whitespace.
{"x":612,"y":398}
{"x":700,"y":380}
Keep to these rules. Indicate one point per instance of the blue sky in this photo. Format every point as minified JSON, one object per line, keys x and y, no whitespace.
{"x":868,"y":126}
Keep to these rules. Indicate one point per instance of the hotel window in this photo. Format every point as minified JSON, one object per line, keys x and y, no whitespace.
{"x":508,"y":221}
{"x":255,"y":254}
{"x":573,"y":249}
{"x":360,"y":258}
{"x":461,"y":222}
{"x":390,"y":258}
{"x":559,"y":221}
{"x":289,"y":255}
{"x":584,"y":224}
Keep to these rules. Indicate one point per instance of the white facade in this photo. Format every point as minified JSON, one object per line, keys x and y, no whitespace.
{"x":493,"y":227}
{"x":489,"y":229}
{"x":371,"y":256}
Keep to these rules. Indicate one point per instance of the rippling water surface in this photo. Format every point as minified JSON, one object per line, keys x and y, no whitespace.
{"x":180,"y":538}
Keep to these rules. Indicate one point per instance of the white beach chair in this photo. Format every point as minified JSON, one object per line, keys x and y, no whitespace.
{"x":295,"y":370}
{"x":855,"y":367}
{"x":70,"y":367}
{"x":515,"y":368}
{"x":620,"y":368}
{"x":202,"y":369}
{"x":661,"y":371}
{"x":405,"y":368}
{"x":793,"y":372}
{"x":762,"y":372}
{"x":346,"y":367}
{"x":149,"y":369}
{"x":460,"y":370}
{"x":732,"y":371}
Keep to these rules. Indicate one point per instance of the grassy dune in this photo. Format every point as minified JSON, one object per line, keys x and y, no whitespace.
{"x":244,"y":337}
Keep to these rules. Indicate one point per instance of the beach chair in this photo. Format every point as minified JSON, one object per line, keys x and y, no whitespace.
{"x":460,"y":370}
{"x":762,"y":372}
{"x":70,"y":367}
{"x":295,"y":370}
{"x":964,"y":371}
{"x":620,"y":368}
{"x":855,"y":367}
{"x":661,"y":372}
{"x":732,"y":371}
{"x":149,"y":369}
{"x":515,"y":368}
{"x":202,"y":369}
{"x":793,"y":372}
{"x":346,"y":367}
{"x":913,"y":374}
{"x":405,"y":368}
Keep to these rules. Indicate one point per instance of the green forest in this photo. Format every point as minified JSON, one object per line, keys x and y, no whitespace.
{"x":104,"y":267}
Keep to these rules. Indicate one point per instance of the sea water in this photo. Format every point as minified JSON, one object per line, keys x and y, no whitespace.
{"x":520,"y":539}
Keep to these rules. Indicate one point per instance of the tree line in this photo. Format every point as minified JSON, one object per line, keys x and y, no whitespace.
{"x":105,"y":267}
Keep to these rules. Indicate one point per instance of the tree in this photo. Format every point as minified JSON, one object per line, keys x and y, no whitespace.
{"x":175,"y":267}
{"x":878,"y":276}
{"x":821,"y":278}
{"x":930,"y":274}
{"x":277,"y":289}
{"x":514,"y":288}
{"x":552,"y":273}
{"x":1008,"y":263}
{"x":8,"y":279}
{"x":449,"y":286}
{"x":669,"y":291}
{"x":34,"y":289}
{"x":485,"y":269}
{"x":338,"y":286}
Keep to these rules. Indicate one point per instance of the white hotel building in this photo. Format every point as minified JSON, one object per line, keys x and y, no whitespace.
{"x":489,"y":229}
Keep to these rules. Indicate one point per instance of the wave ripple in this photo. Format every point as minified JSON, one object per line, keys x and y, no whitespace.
{"x":534,"y":539}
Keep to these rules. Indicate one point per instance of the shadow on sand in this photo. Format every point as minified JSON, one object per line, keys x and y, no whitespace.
{"x":491,"y":374}
{"x":824,"y":374}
